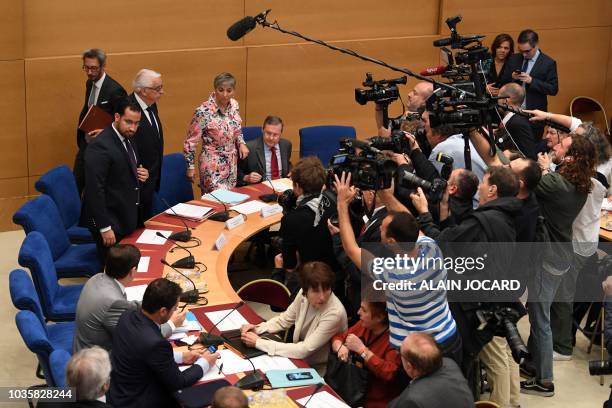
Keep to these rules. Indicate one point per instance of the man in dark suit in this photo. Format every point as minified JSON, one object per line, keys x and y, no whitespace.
{"x":113,"y":176}
{"x":435,"y":380}
{"x":103,"y":301}
{"x":145,"y":369}
{"x":517,"y":126}
{"x":536,"y":72}
{"x":100,"y":90}
{"x":148,"y":89}
{"x":270,"y":156}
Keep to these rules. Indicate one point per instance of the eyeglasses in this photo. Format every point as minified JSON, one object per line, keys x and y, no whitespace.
{"x":92,"y":69}
{"x":525,"y":51}
{"x":157,"y":88}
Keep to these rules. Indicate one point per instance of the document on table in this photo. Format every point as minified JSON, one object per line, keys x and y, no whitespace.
{"x":143,"y":264}
{"x":266,"y":362}
{"x":212,"y":374}
{"x":190,"y":324}
{"x":233,"y":321}
{"x":280,"y":185}
{"x":233,"y":363}
{"x":322,"y":399}
{"x":135,"y":292}
{"x":225,"y":196}
{"x":249,"y":207}
{"x":149,"y":236}
{"x":190,"y":211}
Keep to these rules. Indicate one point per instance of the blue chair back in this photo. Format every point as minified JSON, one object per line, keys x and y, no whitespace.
{"x":40,"y":214}
{"x":174,"y":186}
{"x":59,"y":184}
{"x":35,"y":338}
{"x":24,"y":295}
{"x":323,"y":141}
{"x":58,"y":362}
{"x":35,"y":255}
{"x":251,"y":132}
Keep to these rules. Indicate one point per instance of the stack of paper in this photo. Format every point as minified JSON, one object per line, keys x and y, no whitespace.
{"x":189,"y":211}
{"x":225,"y":196}
{"x":149,"y":236}
{"x":280,"y":185}
{"x":249,"y":207}
{"x":265,"y":363}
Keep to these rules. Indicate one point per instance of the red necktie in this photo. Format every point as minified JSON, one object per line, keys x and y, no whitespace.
{"x":274,"y":164}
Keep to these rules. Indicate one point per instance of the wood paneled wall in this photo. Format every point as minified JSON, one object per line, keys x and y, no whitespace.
{"x":306,"y":84}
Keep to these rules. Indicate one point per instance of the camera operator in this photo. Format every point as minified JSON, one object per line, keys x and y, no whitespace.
{"x":416,"y":103}
{"x":423,"y":310}
{"x":303,"y":230}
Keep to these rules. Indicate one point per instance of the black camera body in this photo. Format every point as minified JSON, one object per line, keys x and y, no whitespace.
{"x":501,"y":319}
{"x":288,"y":200}
{"x":433,"y":190}
{"x":382,"y":92}
{"x":397,"y":143}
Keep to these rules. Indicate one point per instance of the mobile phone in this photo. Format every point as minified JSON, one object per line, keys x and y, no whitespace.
{"x":518,"y":71}
{"x":299,"y":376}
{"x":212,"y":349}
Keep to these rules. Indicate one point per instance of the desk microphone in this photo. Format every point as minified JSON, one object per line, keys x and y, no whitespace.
{"x":182,"y":236}
{"x":219,"y":216}
{"x":187,"y":262}
{"x":253,"y":381}
{"x":272,"y":197}
{"x":209,"y":339}
{"x":317,"y":388}
{"x":190,"y":296}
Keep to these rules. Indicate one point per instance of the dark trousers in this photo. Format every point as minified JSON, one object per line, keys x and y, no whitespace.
{"x":79,"y":168}
{"x":101,"y":249}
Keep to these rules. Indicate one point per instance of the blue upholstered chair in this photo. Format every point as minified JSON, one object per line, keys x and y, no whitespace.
{"x":58,"y":301}
{"x":251,"y":132}
{"x":58,"y":362}
{"x":59,"y":184}
{"x":174,"y":187}
{"x":40,"y":214}
{"x":323,"y":141}
{"x":24,"y":297}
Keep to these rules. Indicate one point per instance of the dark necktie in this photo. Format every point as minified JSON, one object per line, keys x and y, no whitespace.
{"x":153,"y":120}
{"x":274,"y":164}
{"x":92,"y":95}
{"x":132,"y":157}
{"x":525,"y":64}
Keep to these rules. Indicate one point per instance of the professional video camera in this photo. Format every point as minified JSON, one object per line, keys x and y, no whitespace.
{"x":369,"y":169}
{"x":501,"y":319}
{"x":382,"y":92}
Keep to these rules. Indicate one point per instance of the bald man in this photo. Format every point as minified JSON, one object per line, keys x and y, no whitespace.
{"x":517,"y":126}
{"x":436,"y":380}
{"x":417,"y":98}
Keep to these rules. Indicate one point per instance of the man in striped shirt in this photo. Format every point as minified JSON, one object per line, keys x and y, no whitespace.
{"x":413,"y":261}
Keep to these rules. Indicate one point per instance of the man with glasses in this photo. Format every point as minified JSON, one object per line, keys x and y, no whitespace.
{"x":148,"y":89}
{"x":536,"y":72}
{"x":100,"y":90}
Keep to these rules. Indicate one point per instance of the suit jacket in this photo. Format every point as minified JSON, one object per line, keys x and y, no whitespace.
{"x":520,"y":129}
{"x":545,"y":80}
{"x":437,"y":390}
{"x":150,"y":147}
{"x":256,"y":160}
{"x":112,"y":191}
{"x":144,"y":372}
{"x":100,"y":306}
{"x":110,"y":91}
{"x":311,"y":344}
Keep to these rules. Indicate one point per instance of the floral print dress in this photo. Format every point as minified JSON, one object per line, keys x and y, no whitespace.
{"x":221,"y":135}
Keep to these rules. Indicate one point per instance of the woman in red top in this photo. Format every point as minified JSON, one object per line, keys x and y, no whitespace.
{"x":369,"y":338}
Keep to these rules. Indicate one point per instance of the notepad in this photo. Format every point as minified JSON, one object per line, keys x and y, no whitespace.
{"x":225,"y":196}
{"x":189,"y":211}
{"x":135,"y":292}
{"x":143,"y":264}
{"x":249,"y":207}
{"x":149,"y":236}
{"x":232,"y":322}
{"x":322,"y":399}
{"x":212,"y":374}
{"x":266,"y":363}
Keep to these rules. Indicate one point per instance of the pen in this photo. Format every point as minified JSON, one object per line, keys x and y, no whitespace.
{"x":220,"y":369}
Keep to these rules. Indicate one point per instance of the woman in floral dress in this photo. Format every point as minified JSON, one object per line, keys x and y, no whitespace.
{"x":217,"y":122}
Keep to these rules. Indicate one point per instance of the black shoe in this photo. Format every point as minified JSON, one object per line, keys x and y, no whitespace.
{"x":534,"y":387}
{"x":527,"y":370}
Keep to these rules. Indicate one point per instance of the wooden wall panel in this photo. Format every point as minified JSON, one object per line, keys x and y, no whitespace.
{"x":67,"y":27}
{"x":608,"y":101}
{"x":11,"y":29}
{"x":487,"y":16}
{"x":13,"y":194}
{"x":13,"y":117}
{"x":53,"y":105}
{"x":310,"y":85}
{"x":343,"y":19}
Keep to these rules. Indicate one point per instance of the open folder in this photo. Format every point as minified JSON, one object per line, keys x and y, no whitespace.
{"x":95,"y":118}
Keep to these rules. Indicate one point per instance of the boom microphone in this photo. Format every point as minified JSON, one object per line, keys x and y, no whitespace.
{"x":182,"y":236}
{"x":272,"y":197}
{"x":241,"y":28}
{"x":187,"y":262}
{"x":440,"y":69}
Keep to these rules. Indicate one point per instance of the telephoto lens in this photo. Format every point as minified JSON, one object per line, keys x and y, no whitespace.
{"x":600,"y":367}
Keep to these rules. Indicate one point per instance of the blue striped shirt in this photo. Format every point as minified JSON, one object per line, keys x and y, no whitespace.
{"x":418,"y":310}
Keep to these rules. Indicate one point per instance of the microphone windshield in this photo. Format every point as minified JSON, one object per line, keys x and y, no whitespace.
{"x":240,"y":28}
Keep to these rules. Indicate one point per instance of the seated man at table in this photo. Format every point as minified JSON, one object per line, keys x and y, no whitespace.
{"x":269,"y":157}
{"x":145,"y":368}
{"x":317,"y":314}
{"x":103,"y":301}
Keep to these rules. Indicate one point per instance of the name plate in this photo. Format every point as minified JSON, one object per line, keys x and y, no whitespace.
{"x":219,"y":242}
{"x":270,"y":210}
{"x":234,"y":222}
